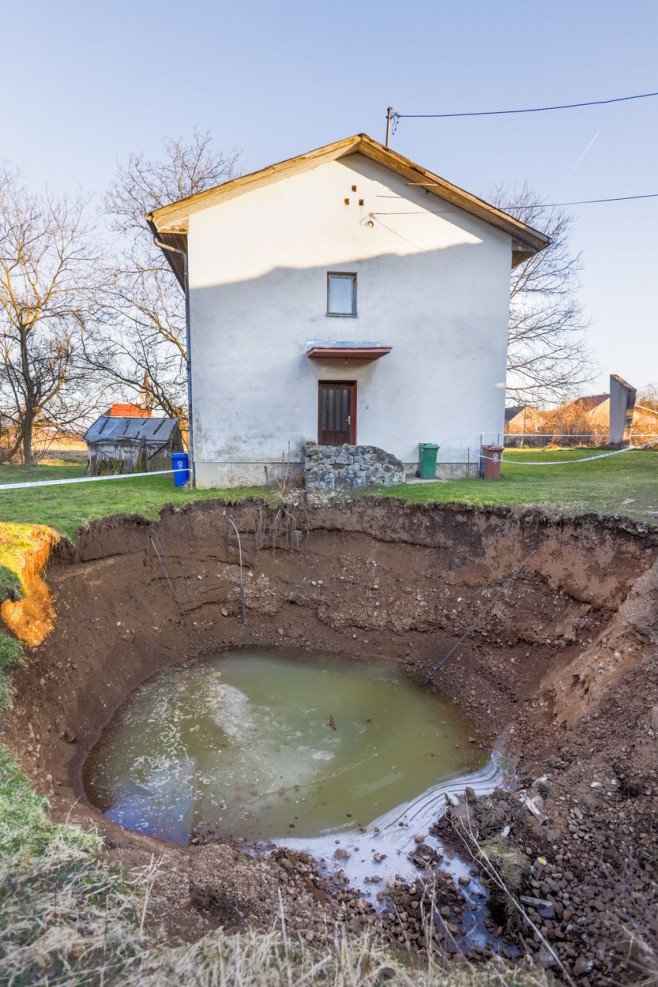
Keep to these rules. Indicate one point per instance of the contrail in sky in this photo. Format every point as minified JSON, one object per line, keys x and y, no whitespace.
{"x":578,"y":161}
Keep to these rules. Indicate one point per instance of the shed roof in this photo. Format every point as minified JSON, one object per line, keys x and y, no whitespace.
{"x":156,"y":431}
{"x":171,"y":222}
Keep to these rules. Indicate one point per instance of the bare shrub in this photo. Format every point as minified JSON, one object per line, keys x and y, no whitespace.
{"x":571,"y":426}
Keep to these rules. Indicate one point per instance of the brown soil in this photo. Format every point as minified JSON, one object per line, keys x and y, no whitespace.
{"x":567,"y":657}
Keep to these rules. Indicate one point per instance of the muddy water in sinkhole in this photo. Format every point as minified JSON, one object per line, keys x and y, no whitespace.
{"x":269,"y":744}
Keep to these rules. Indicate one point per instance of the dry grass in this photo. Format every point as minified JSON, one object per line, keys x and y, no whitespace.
{"x":69,"y":918}
{"x":253,"y":960}
{"x":72,"y":922}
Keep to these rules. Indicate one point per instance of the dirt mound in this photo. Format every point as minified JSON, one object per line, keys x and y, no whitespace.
{"x":567,"y":657}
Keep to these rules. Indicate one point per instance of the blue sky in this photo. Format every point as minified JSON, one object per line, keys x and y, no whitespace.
{"x":87,"y":83}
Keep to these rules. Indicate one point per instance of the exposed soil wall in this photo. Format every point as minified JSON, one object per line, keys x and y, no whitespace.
{"x":567,"y":656}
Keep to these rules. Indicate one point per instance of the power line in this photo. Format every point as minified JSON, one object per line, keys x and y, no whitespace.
{"x":529,"y":205}
{"x":532,"y":205}
{"x":587,"y":202}
{"x":533,"y":109}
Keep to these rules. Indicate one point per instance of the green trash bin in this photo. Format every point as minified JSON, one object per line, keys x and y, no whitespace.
{"x":427,"y":460}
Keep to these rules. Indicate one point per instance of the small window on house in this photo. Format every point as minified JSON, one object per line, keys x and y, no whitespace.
{"x":341,"y":294}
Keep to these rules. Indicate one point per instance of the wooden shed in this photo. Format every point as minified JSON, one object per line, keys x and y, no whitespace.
{"x":131,"y":445}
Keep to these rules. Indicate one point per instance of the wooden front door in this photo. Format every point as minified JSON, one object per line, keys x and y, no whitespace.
{"x":336,"y":413}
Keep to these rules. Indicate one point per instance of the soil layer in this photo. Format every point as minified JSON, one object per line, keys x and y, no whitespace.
{"x":566,"y":660}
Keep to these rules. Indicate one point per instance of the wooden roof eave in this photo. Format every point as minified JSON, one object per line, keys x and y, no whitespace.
{"x":177,"y":239}
{"x":176,"y":215}
{"x":527,"y":238}
{"x":521,"y":253}
{"x":174,"y":218}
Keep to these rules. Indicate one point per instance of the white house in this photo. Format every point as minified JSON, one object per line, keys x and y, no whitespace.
{"x":344,"y":296}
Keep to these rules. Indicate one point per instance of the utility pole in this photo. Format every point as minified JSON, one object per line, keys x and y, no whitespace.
{"x":389,"y":117}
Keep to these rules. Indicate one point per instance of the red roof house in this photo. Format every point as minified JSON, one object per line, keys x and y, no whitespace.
{"x":127,"y":411}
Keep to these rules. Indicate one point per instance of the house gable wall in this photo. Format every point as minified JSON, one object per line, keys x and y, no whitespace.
{"x":432,"y":283}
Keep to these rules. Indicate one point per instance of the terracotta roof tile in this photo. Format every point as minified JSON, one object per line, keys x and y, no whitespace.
{"x":128,"y":410}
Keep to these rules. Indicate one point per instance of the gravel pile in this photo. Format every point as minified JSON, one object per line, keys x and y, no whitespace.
{"x":585,"y":872}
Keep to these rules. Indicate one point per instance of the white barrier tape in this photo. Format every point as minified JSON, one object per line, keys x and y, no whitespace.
{"x":556,"y":435}
{"x":84,"y":479}
{"x":567,"y":435}
{"x":568,"y":462}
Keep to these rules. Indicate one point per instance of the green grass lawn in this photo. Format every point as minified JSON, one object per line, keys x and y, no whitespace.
{"x":66,"y":507}
{"x":623,"y":484}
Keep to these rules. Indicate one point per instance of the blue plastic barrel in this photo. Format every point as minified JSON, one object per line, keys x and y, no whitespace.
{"x":180,"y":462}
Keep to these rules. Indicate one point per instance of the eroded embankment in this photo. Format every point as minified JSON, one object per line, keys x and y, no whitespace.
{"x":567,"y":655}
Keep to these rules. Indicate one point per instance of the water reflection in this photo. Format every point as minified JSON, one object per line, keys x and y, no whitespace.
{"x":264,"y":744}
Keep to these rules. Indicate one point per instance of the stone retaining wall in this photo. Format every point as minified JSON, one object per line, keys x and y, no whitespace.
{"x":328,"y":469}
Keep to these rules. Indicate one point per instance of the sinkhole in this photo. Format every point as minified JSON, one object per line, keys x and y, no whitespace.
{"x":262,"y":744}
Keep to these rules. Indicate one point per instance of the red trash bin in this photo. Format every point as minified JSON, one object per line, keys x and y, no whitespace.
{"x":492,"y":457}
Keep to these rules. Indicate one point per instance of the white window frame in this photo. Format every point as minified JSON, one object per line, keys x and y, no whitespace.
{"x":343,"y":276}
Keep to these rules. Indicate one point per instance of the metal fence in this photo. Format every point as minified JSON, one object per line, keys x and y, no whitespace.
{"x":569,"y":440}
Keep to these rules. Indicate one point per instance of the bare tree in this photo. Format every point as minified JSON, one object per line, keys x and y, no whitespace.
{"x":648,"y":397}
{"x":548,"y":358}
{"x":45,"y":300}
{"x":142,"y":342}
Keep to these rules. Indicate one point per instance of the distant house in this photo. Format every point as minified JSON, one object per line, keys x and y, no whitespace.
{"x":127,"y":410}
{"x":523,"y":420}
{"x":589,"y":403}
{"x":613,"y":417}
{"x":642,"y":424}
{"x":131,"y":444}
{"x":585,"y":418}
{"x":346,"y":297}
{"x":598,"y":415}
